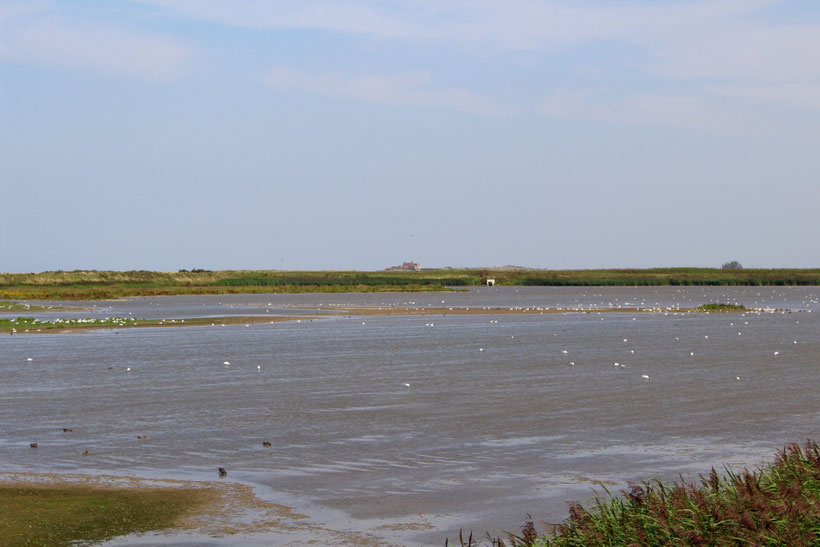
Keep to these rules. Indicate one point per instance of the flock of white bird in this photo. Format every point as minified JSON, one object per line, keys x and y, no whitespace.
{"x":576,"y":308}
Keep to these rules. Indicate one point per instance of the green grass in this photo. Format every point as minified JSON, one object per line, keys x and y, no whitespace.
{"x":23,"y":324}
{"x":32,"y":325}
{"x":776,"y":505}
{"x":92,"y":285}
{"x":722,"y":307}
{"x":35,"y":515}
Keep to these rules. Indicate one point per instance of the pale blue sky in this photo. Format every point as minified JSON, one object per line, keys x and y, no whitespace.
{"x":167,"y":134}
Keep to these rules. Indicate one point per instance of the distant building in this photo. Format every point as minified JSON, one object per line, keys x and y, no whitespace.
{"x":490,"y":282}
{"x":405,"y":266}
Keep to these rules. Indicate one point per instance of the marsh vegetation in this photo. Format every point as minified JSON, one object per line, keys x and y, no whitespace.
{"x":722,"y":307}
{"x":776,"y":505}
{"x":94,"y":285}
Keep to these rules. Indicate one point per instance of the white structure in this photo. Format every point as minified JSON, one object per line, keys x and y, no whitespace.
{"x":490,"y":282}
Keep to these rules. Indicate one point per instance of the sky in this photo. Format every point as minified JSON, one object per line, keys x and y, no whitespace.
{"x":319,"y":134}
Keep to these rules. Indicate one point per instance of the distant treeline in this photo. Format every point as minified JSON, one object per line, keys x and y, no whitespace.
{"x":79,"y":285}
{"x":660,"y":276}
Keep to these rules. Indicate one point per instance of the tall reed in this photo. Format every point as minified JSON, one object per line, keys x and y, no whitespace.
{"x":776,"y":505}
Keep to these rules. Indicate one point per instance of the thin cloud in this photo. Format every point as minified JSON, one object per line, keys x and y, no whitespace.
{"x":87,"y":45}
{"x":515,"y":24}
{"x":686,"y":40}
{"x":706,"y":43}
{"x":406,"y":88}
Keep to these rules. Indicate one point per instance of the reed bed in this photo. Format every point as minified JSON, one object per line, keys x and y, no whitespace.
{"x":93,"y":284}
{"x":776,"y":505}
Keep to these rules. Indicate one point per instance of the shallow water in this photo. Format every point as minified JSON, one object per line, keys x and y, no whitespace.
{"x":496,"y":422}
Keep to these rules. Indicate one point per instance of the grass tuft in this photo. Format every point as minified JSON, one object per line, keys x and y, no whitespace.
{"x":722,"y":307}
{"x":41,"y":515}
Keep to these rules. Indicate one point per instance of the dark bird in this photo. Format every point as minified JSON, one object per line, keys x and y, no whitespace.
{"x":222,"y":472}
{"x":142,"y":436}
{"x":265,"y":443}
{"x":66,"y":430}
{"x":33,"y":445}
{"x":87,"y":453}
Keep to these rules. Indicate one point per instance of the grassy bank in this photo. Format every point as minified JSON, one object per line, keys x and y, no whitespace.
{"x":31,"y":325}
{"x":60,"y":515}
{"x":720,"y":307}
{"x":776,"y":505}
{"x":23,"y":325}
{"x":92,"y":285}
{"x":95,"y":285}
{"x":17,"y":306}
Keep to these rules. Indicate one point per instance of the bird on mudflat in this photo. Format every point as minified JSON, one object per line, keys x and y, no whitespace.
{"x":222,"y":472}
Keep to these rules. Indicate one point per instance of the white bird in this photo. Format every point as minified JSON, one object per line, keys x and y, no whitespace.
{"x":645,"y":376}
{"x":258,"y":367}
{"x":562,"y":351}
{"x":226,"y":363}
{"x":691,"y":353}
{"x":572,"y":363}
{"x":737,"y":377}
{"x":128,"y":369}
{"x":406,"y":384}
{"x":777,"y":353}
{"x":617,"y":364}
{"x":480,"y":349}
{"x":29,"y":359}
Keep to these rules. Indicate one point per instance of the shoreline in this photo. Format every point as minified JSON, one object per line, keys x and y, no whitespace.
{"x":64,"y":327}
{"x":60,"y":326}
{"x":8,"y":307}
{"x":223,"y":510}
{"x":420,"y":310}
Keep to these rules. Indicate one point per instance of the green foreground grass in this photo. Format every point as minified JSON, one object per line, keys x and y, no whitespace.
{"x":43,"y":515}
{"x":92,"y":285}
{"x":776,"y":505}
